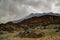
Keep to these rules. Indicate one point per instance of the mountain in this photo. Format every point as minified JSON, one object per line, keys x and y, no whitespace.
{"x":34,"y":19}
{"x":36,"y":15}
{"x":35,"y":25}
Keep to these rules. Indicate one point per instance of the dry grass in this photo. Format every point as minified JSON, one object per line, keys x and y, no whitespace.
{"x":43,"y":38}
{"x":50,"y":35}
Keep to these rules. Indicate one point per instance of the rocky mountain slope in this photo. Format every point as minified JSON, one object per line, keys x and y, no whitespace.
{"x":34,"y":25}
{"x":36,"y":19}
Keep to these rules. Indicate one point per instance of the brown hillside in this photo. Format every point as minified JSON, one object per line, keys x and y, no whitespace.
{"x":45,"y":19}
{"x":42,"y":20}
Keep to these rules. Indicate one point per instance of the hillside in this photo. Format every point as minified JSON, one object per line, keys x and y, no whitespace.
{"x":34,"y":26}
{"x":35,"y":20}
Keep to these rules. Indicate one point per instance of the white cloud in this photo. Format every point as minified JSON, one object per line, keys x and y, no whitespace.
{"x":16,"y":9}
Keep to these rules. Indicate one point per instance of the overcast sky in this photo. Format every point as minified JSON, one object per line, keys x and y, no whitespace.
{"x":16,"y":9}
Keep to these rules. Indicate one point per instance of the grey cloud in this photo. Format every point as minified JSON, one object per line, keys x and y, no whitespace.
{"x":3,"y":7}
{"x":58,"y":3}
{"x":33,"y":2}
{"x":17,"y":9}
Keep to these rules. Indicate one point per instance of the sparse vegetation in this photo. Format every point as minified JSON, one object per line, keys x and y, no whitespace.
{"x":45,"y":27}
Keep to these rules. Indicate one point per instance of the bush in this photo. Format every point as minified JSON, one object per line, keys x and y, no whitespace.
{"x":31,"y":33}
{"x":57,"y":30}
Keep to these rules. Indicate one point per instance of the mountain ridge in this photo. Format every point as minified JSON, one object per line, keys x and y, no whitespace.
{"x":37,"y":15}
{"x":42,"y":20}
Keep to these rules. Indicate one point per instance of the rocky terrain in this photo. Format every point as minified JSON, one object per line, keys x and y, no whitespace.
{"x":36,"y":26}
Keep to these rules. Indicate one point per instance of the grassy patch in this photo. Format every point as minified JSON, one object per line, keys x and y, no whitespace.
{"x":49,"y":31}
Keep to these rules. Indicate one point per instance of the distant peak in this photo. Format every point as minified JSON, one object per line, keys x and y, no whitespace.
{"x":31,"y":13}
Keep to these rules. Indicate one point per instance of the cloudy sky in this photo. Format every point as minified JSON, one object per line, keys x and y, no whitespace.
{"x":16,"y":9}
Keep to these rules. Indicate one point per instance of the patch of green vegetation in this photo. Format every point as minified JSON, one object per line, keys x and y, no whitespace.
{"x":49,"y":31}
{"x":1,"y":38}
